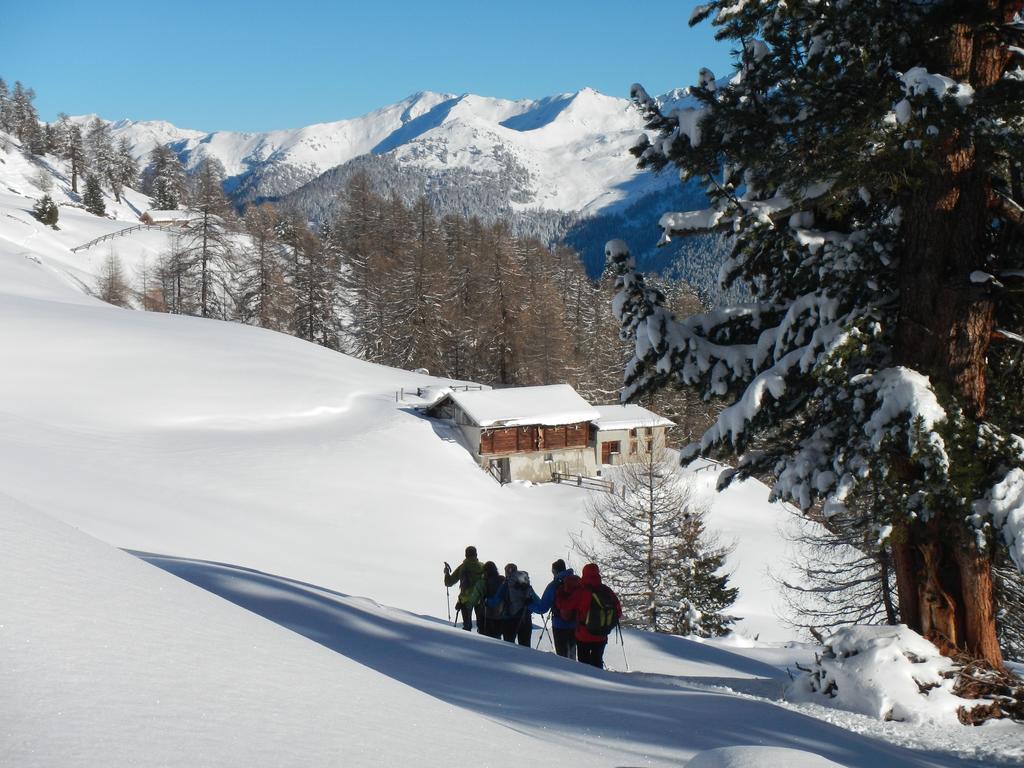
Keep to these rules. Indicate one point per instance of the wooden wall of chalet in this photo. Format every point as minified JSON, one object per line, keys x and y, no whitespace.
{"x":527,"y":439}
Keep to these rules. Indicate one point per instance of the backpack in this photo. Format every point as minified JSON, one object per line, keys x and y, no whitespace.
{"x":519,"y":592}
{"x":564,"y":592}
{"x":470,"y":578}
{"x":466,"y":579}
{"x":601,"y":619}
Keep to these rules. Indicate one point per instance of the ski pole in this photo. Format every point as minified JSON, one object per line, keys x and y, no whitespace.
{"x":447,"y":590}
{"x":621,"y":643}
{"x":543,"y":632}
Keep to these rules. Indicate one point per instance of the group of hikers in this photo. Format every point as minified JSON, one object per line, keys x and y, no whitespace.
{"x":583,"y":610}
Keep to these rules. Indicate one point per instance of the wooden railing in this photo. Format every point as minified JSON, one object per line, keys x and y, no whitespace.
{"x":400,"y":394}
{"x":120,"y":233}
{"x":581,"y":481}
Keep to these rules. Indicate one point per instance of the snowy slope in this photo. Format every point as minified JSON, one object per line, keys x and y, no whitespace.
{"x":105,"y":660}
{"x":108,"y":661}
{"x":571,"y":149}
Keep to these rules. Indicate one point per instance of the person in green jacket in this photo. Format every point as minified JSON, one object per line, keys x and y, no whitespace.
{"x":469,"y":576}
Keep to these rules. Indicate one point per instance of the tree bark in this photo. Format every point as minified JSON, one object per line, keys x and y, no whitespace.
{"x":906,"y":568}
{"x":944,"y":331}
{"x":980,"y":638}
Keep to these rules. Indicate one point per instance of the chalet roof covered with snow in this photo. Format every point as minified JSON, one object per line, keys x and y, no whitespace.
{"x":628,"y":417}
{"x":170,"y":215}
{"x":520,"y":406}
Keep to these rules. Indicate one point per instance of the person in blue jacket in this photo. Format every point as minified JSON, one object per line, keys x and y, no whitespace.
{"x":517,"y":601}
{"x":563,"y":631}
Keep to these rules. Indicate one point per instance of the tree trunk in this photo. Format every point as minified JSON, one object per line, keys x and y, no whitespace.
{"x":906,"y":568}
{"x":884,"y":566}
{"x":980,"y":638}
{"x":944,"y":331}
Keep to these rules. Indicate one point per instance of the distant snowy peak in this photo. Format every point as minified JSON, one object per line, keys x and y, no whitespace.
{"x":571,"y":149}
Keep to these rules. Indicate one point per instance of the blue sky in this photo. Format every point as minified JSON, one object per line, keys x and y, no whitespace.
{"x":258,"y":65}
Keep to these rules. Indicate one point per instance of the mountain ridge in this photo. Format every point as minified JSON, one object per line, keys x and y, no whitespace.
{"x":574,"y":145}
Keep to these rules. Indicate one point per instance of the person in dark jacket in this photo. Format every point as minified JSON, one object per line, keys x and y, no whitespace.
{"x":469,"y":576}
{"x":589,"y":645}
{"x":516,"y":596}
{"x":492,"y":616}
{"x":563,"y":631}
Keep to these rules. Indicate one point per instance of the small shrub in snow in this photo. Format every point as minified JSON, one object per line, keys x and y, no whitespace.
{"x":46,"y":211}
{"x":890,"y":673}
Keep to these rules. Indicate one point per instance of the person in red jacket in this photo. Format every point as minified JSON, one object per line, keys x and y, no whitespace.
{"x":596,"y":610}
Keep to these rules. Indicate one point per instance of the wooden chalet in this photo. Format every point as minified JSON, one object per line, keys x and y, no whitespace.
{"x":167,"y":218}
{"x":524,"y":433}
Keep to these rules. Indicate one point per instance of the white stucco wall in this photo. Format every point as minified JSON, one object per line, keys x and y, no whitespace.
{"x":622,"y":436}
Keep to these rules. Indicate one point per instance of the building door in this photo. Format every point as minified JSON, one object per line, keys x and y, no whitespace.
{"x":505,"y":470}
{"x":607,"y":449}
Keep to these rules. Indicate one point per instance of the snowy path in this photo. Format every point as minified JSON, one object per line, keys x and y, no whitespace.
{"x":648,"y":719}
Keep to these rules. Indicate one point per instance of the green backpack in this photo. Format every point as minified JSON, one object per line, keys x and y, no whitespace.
{"x":601,"y":619}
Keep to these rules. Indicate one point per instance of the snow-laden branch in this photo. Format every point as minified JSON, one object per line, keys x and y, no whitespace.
{"x":1004,"y":506}
{"x":768,"y":211}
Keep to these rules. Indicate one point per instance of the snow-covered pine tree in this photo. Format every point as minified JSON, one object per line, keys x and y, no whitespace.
{"x":866,"y":156}
{"x":651,"y":545}
{"x":99,"y":150}
{"x":125,"y":168}
{"x":72,"y":148}
{"x":46,"y":211}
{"x":5,"y":107}
{"x":164,"y":179}
{"x":24,"y":121}
{"x":92,"y":198}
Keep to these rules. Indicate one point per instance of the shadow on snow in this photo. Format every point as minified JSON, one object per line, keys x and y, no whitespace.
{"x":534,"y":691}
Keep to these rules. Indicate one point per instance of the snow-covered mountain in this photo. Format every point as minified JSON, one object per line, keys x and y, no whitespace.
{"x":569,"y":153}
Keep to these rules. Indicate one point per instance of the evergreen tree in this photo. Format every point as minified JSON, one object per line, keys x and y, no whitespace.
{"x":46,"y":211}
{"x":164,"y":180}
{"x":72,"y":148}
{"x":51,"y":139}
{"x":93,"y":196}
{"x":99,"y":149}
{"x":24,"y":122}
{"x":861,"y":156}
{"x":124,"y":170}
{"x":5,"y":107}
{"x":654,"y":551}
